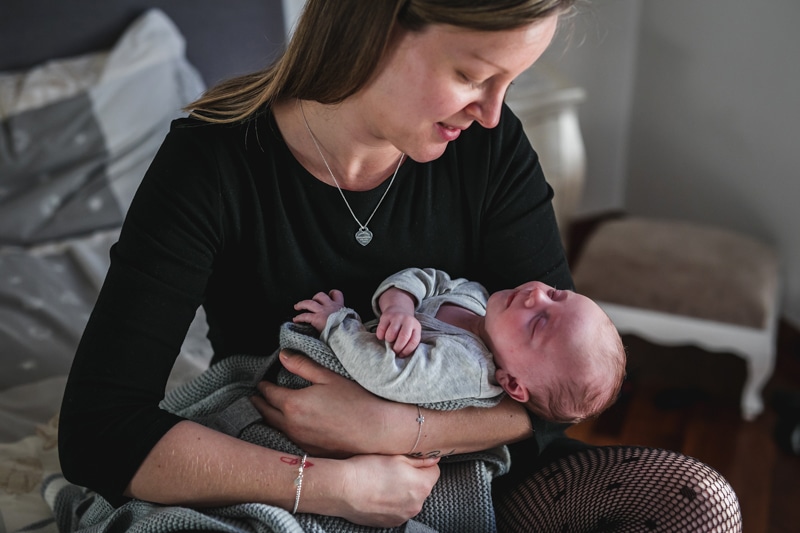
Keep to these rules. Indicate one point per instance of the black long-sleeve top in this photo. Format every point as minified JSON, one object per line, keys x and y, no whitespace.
{"x":228,"y":219}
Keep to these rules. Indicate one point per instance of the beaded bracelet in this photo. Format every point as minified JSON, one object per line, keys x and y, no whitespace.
{"x":298,"y":482}
{"x":420,"y":421}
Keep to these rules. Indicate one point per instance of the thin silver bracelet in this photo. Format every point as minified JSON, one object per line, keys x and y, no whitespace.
{"x":420,"y":421}
{"x":298,"y":482}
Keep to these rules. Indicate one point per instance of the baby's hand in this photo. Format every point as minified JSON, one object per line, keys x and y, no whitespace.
{"x":401,"y":329}
{"x":319,"y":308}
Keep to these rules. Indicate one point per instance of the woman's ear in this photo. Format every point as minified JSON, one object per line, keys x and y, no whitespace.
{"x":512,"y":387}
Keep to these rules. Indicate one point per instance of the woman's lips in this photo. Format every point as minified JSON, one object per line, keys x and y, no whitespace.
{"x":448,"y":133}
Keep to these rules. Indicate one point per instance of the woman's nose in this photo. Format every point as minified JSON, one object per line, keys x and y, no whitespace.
{"x":486,"y":111}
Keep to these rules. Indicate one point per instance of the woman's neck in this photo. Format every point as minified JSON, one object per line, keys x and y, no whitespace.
{"x":358,"y":160}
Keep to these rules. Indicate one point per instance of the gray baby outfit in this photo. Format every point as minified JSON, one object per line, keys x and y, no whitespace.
{"x":450,"y":363}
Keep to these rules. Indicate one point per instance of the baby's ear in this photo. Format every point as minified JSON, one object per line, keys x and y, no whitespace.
{"x":512,"y":387}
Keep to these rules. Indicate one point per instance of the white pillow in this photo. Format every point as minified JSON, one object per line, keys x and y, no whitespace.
{"x":76,"y":135}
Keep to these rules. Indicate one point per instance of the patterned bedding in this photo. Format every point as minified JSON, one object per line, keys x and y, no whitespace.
{"x":46,"y":295}
{"x":76,"y":136}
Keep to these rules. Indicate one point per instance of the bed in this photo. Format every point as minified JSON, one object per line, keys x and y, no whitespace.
{"x":87,"y":92}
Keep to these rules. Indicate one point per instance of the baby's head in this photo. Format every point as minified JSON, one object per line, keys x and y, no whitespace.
{"x":556,"y":351}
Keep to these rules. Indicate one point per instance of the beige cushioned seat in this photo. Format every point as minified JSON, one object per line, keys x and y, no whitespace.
{"x":683,"y":283}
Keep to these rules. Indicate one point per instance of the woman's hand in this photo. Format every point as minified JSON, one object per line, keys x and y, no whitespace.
{"x":385,"y":491}
{"x":336,"y":417}
{"x":333,"y":417}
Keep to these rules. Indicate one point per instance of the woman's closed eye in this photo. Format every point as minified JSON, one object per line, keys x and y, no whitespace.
{"x":473,"y":84}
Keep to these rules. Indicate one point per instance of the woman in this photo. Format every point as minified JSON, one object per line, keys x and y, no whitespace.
{"x":378,"y":141}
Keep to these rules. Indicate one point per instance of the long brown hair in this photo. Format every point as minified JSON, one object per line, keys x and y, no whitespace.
{"x":338,"y":44}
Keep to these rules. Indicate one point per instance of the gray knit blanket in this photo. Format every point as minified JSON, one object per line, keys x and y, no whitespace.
{"x":219,"y":398}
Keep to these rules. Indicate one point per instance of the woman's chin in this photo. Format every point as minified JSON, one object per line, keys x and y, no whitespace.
{"x":428,"y":153}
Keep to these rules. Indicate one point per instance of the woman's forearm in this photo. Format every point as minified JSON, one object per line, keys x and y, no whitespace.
{"x":337,"y":417}
{"x":196,"y":466}
{"x":469,"y":430}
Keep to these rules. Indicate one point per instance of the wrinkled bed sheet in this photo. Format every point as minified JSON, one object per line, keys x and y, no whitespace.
{"x":46,"y":295}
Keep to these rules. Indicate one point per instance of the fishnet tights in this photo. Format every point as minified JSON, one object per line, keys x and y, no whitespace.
{"x":621,"y":489}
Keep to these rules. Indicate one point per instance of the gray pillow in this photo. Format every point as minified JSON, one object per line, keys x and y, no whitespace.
{"x":77,"y":134}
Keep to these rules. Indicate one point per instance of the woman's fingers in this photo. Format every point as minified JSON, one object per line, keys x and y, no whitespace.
{"x":334,"y":416}
{"x":274,"y":399}
{"x":423,"y":462}
{"x":318,"y":417}
{"x":303,"y":366}
{"x":394,"y":496}
{"x":273,"y":403}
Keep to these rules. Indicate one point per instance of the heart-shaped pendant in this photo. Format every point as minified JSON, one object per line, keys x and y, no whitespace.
{"x":363,"y":236}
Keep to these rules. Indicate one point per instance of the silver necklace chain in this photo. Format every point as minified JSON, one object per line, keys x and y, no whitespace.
{"x":363,"y":235}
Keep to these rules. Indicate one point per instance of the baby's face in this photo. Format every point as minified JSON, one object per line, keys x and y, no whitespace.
{"x":530,"y":328}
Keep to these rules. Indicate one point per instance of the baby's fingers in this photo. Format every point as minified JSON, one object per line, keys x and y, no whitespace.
{"x":407,"y":341}
{"x":336,"y":296}
{"x":306,"y":305}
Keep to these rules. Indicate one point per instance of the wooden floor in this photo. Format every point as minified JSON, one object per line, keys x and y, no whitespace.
{"x":685,"y":399}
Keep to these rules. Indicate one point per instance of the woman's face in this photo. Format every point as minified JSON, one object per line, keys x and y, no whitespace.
{"x":437,"y":82}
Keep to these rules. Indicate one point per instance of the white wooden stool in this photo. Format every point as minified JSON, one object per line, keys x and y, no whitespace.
{"x":678,"y":283}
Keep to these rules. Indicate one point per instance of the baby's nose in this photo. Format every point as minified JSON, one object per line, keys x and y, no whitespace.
{"x":532,"y":298}
{"x":535,"y":296}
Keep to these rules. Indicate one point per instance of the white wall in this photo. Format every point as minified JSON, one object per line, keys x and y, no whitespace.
{"x":716,"y":110}
{"x":597,"y":51}
{"x":692,"y":113}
